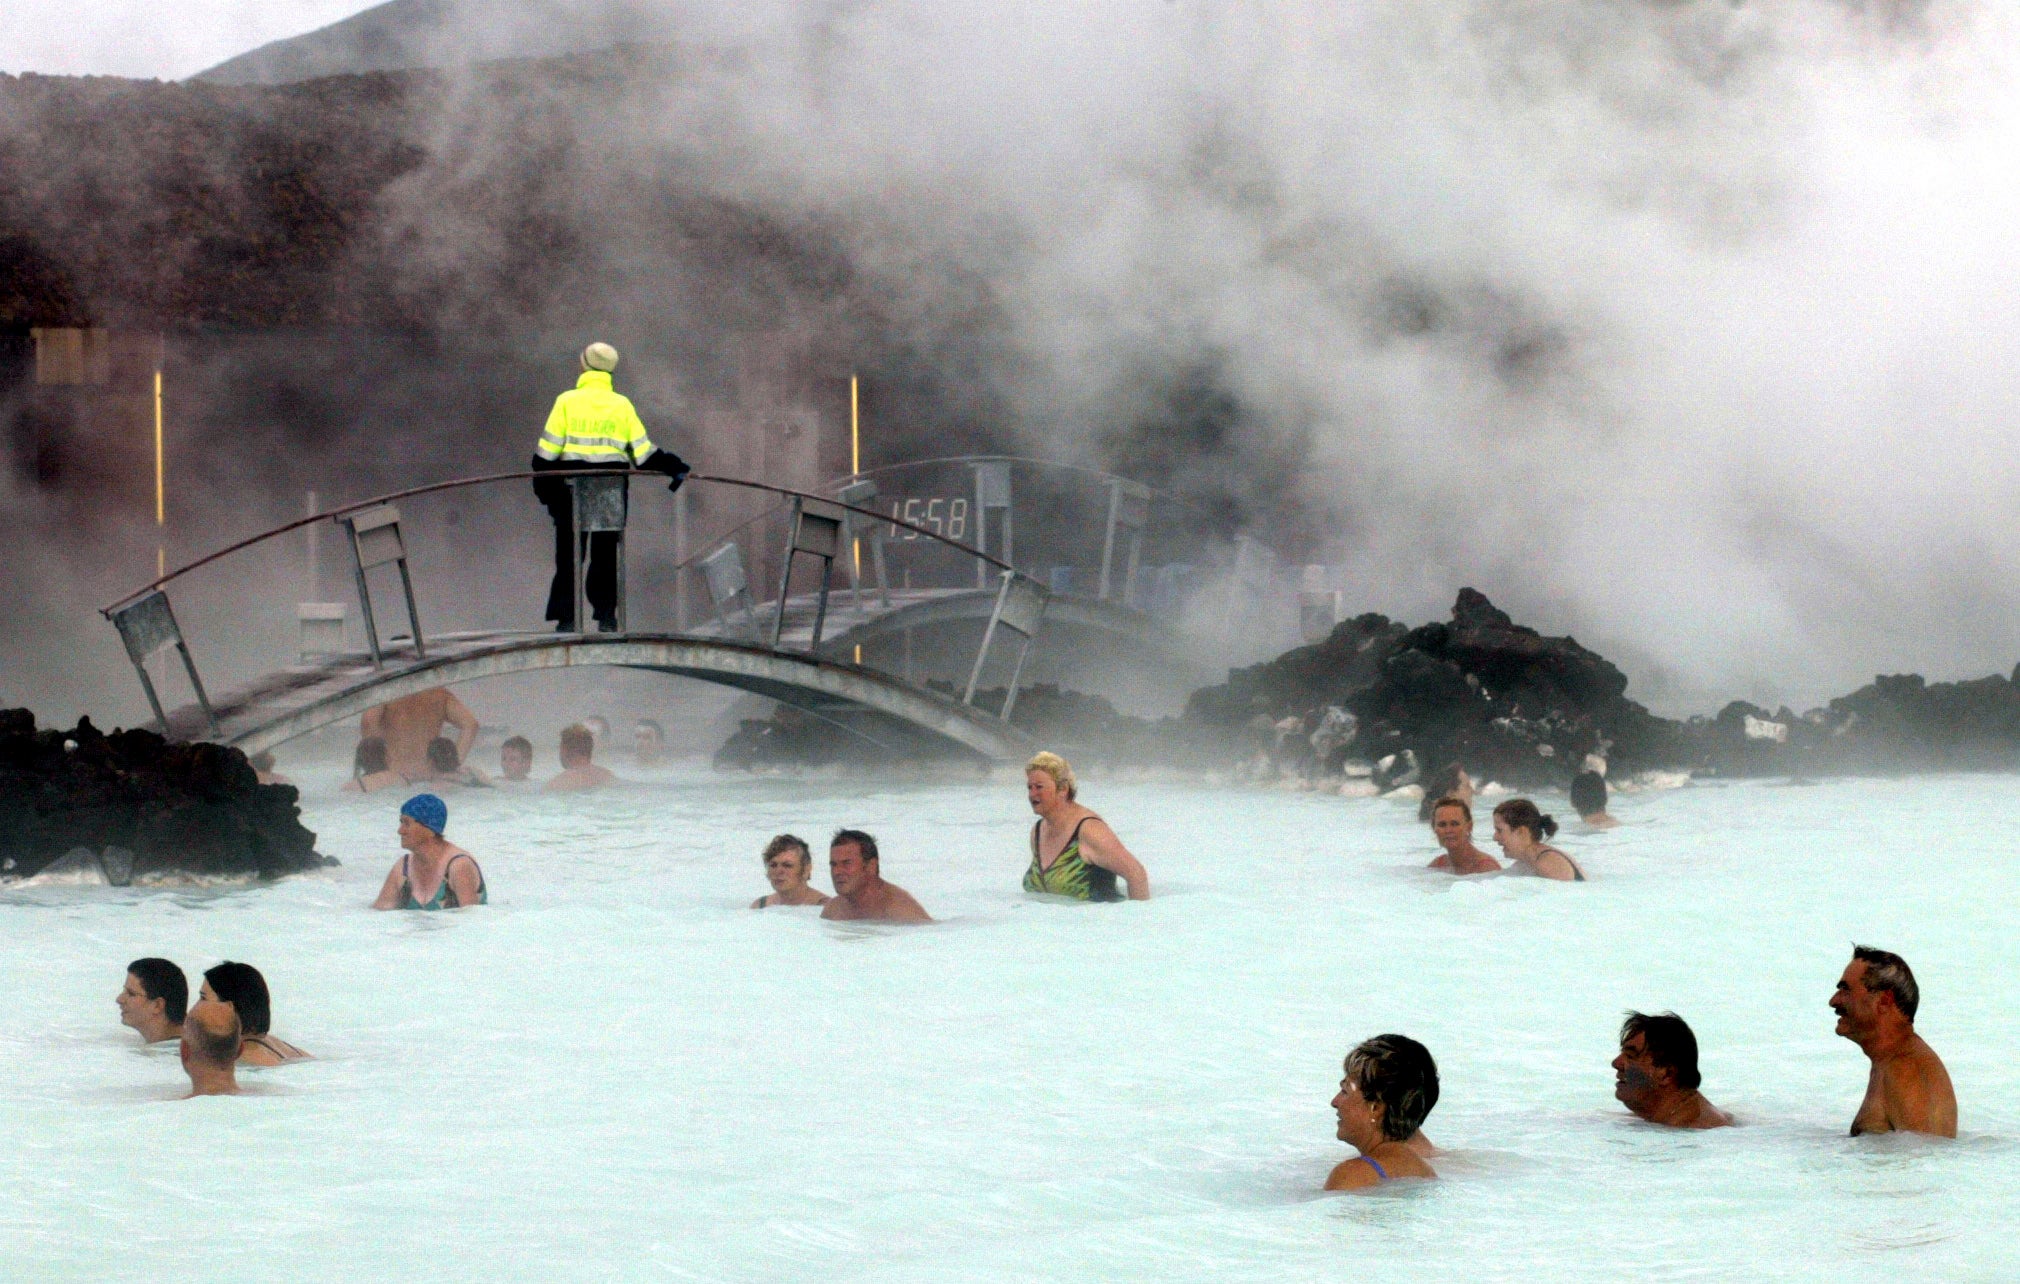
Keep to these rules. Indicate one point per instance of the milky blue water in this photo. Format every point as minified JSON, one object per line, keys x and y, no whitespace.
{"x":617,"y":1071}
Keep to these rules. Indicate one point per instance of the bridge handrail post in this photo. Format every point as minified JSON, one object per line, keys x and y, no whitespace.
{"x":992,"y":490}
{"x":376,"y":539}
{"x":1128,"y":509}
{"x":146,"y":625}
{"x":861,"y":495}
{"x":1020,"y":608}
{"x":723,"y":573}
{"x":814,"y":528}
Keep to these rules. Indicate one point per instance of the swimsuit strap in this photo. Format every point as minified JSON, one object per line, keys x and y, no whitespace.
{"x":1380,"y":1173}
{"x":1577,"y":874}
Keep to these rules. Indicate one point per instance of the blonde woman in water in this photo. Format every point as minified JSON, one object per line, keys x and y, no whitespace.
{"x":1073,"y":851}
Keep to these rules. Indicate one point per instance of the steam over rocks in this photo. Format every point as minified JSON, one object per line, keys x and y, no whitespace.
{"x":132,"y":805}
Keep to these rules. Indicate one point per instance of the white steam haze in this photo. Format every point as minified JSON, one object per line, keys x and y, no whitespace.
{"x":148,"y":39}
{"x":1682,"y":327}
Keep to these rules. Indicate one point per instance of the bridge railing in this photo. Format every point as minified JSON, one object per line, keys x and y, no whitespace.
{"x":817,"y":528}
{"x":1219,"y":575}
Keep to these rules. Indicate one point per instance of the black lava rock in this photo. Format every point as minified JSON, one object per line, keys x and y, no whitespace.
{"x":156,"y":807}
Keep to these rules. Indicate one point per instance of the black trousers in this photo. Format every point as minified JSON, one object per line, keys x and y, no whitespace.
{"x":599,"y":559}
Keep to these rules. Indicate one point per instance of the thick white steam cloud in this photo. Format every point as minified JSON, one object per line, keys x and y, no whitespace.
{"x":1679,"y":326}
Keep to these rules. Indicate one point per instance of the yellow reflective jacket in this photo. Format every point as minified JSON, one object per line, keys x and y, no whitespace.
{"x":591,"y":424}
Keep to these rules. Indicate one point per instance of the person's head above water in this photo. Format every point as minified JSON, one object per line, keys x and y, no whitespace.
{"x":1876,"y":995}
{"x":1452,"y":821}
{"x":211,"y":1038}
{"x":1049,"y":781}
{"x":1588,"y":793}
{"x":370,"y":758}
{"x":154,"y":999}
{"x":515,"y":758}
{"x":242,"y":986}
{"x":599,"y":356}
{"x":788,"y":862}
{"x":423,"y":820}
{"x":578,"y":745}
{"x":1658,"y":1056}
{"x":1521,"y":814}
{"x":648,"y":739}
{"x":1388,"y":1090}
{"x":1449,"y":781}
{"x":442,"y":759}
{"x":852,"y":861}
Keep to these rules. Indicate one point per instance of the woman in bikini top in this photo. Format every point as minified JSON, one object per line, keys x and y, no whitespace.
{"x":1387,"y":1090}
{"x":1092,"y":858}
{"x":1520,"y":829}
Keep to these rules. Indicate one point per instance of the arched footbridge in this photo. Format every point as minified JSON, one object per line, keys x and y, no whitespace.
{"x":802,"y":649}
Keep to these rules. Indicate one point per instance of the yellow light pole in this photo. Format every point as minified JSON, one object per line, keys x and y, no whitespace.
{"x":856,"y":473}
{"x":160,"y":470}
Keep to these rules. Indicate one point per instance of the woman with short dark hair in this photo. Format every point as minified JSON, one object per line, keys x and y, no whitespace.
{"x":1387,"y":1091}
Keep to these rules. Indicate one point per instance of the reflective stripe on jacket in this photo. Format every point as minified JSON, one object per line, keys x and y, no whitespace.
{"x":591,"y":424}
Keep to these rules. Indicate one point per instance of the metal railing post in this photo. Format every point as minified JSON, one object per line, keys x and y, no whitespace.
{"x":147,"y":626}
{"x":1020,"y":608}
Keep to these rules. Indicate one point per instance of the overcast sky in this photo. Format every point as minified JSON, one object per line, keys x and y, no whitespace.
{"x":165,"y":39}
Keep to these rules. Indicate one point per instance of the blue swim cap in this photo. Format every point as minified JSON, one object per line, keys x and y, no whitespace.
{"x":428,"y":810}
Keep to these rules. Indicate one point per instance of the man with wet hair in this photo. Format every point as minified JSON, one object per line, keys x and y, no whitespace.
{"x":789,"y":864}
{"x":578,"y":771}
{"x":860,"y":890}
{"x":210,"y":1047}
{"x":1655,"y":1075}
{"x":154,"y":999}
{"x":1907,"y":1090}
{"x":515,"y":758}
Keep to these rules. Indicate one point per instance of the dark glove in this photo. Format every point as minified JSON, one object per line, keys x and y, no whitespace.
{"x":665,"y":461}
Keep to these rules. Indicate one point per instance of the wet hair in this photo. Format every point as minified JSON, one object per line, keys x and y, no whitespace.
{"x":442,"y":754}
{"x":370,"y":759}
{"x":218,"y":1047}
{"x":1059,"y":769}
{"x":864,"y":843}
{"x":1588,"y":793}
{"x":1520,"y":813}
{"x":1451,"y":800}
{"x":1440,"y":787}
{"x":520,"y":743}
{"x":1890,"y":972}
{"x":1398,"y":1072}
{"x":242,"y":986}
{"x":161,"y":979}
{"x":577,"y":742}
{"x":1670,"y":1044}
{"x":787,"y":842}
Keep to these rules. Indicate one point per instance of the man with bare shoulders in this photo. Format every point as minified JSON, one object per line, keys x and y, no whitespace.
{"x":1908,"y":1089}
{"x":210,"y":1047}
{"x":578,"y":770}
{"x":860,"y":890}
{"x":1656,"y":1075}
{"x":789,"y":865}
{"x":409,"y":723}
{"x":1452,"y":824}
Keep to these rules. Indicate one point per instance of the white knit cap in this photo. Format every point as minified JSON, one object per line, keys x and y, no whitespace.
{"x":599,"y":356}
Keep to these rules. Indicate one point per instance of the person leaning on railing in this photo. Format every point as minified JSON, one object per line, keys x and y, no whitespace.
{"x":591,"y":426}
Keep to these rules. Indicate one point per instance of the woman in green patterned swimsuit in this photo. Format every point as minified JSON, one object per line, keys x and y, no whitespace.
{"x":1085,"y":857}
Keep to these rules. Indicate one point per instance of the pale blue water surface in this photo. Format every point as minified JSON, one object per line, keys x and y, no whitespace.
{"x":617,"y":1071}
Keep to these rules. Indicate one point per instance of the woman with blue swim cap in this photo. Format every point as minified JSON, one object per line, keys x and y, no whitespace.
{"x":446,"y":873}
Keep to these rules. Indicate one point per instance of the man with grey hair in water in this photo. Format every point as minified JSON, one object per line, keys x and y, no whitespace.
{"x":1907,"y":1090}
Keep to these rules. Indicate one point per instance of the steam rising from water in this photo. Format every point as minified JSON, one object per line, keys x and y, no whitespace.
{"x":1677,"y":326}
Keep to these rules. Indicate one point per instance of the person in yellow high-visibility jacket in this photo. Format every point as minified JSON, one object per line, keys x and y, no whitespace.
{"x":591,"y":426}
